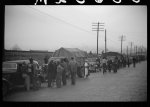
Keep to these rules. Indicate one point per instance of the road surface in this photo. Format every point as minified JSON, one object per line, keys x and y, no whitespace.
{"x":128,"y":84}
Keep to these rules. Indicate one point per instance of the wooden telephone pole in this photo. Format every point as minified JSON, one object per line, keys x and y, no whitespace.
{"x":98,"y":28}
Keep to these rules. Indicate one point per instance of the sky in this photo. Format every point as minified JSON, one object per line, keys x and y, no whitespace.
{"x":51,"y":27}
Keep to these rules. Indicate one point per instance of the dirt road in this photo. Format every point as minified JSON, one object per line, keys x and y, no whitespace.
{"x":128,"y":84}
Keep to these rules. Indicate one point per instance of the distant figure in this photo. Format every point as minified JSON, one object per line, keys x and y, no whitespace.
{"x":109,"y":62}
{"x":64,"y":65}
{"x":128,"y":62}
{"x":73,"y":70}
{"x":31,"y":72}
{"x":104,"y":64}
{"x":115,"y":64}
{"x":45,"y":69}
{"x":50,"y":73}
{"x":59,"y":74}
{"x":86,"y":69}
{"x":124,"y":62}
{"x":134,"y":62}
{"x":25,"y":76}
{"x":54,"y":71}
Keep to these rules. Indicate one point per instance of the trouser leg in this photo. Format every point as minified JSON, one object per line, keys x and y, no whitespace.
{"x":73,"y":78}
{"x":49,"y":80}
{"x":27,"y":82}
{"x":58,"y":80}
{"x":64,"y":78}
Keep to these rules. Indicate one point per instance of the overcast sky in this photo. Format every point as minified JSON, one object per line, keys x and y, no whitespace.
{"x":51,"y":27}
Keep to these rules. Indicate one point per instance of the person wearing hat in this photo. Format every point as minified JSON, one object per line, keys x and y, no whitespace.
{"x":26,"y":76}
{"x":50,"y":73}
{"x":59,"y":74}
{"x":73,"y":70}
{"x":45,"y":68}
{"x":64,"y":65}
{"x":31,"y":71}
{"x":104,"y":64}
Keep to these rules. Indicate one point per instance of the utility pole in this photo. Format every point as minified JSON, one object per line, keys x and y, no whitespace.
{"x":122,"y":39}
{"x":98,"y":29}
{"x":105,"y":42}
{"x":136,"y":50}
{"x":127,"y":50}
{"x":131,"y":48}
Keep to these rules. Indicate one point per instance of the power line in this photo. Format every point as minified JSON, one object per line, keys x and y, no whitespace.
{"x":62,"y":20}
{"x":97,"y":29}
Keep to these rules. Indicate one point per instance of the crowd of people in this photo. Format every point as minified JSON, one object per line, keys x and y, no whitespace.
{"x":108,"y":64}
{"x":56,"y":73}
{"x":29,"y":73}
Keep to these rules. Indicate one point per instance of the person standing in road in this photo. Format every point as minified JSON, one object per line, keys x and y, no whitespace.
{"x":64,"y":65}
{"x":73,"y":70}
{"x":26,"y":76}
{"x":54,"y":72}
{"x":45,"y":69}
{"x":128,"y":62}
{"x":104,"y":64}
{"x":86,"y":69}
{"x":134,"y":62}
{"x":31,"y":72}
{"x":50,"y":73}
{"x":109,"y":62}
{"x":115,"y":64}
{"x":60,"y":69}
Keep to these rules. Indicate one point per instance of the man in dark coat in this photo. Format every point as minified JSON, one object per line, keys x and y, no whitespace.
{"x":134,"y":62}
{"x":128,"y":62}
{"x":50,"y":73}
{"x":109,"y":62}
{"x":73,"y":70}
{"x":55,"y":71}
{"x":115,"y":65}
{"x":64,"y":65}
{"x":59,"y":74}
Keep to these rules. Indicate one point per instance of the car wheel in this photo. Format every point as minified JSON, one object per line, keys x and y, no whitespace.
{"x":5,"y":89}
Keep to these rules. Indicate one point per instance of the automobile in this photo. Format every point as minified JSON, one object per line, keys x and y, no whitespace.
{"x":92,"y":64}
{"x":12,"y":75}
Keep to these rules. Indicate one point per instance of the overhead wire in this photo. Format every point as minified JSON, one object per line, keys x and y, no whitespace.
{"x":70,"y":23}
{"x":61,"y":20}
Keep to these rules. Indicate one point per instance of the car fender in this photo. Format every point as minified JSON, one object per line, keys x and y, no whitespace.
{"x":6,"y":81}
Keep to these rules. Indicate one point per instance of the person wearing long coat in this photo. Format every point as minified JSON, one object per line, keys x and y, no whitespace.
{"x":55,"y":70}
{"x":59,"y":75}
{"x":50,"y":73}
{"x":26,"y":76}
{"x":31,"y":72}
{"x":109,"y":62}
{"x":73,"y":70}
{"x":104,"y":64}
{"x":134,"y":62}
{"x":64,"y":65}
{"x":128,"y":62}
{"x":86,"y":69}
{"x":115,"y":65}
